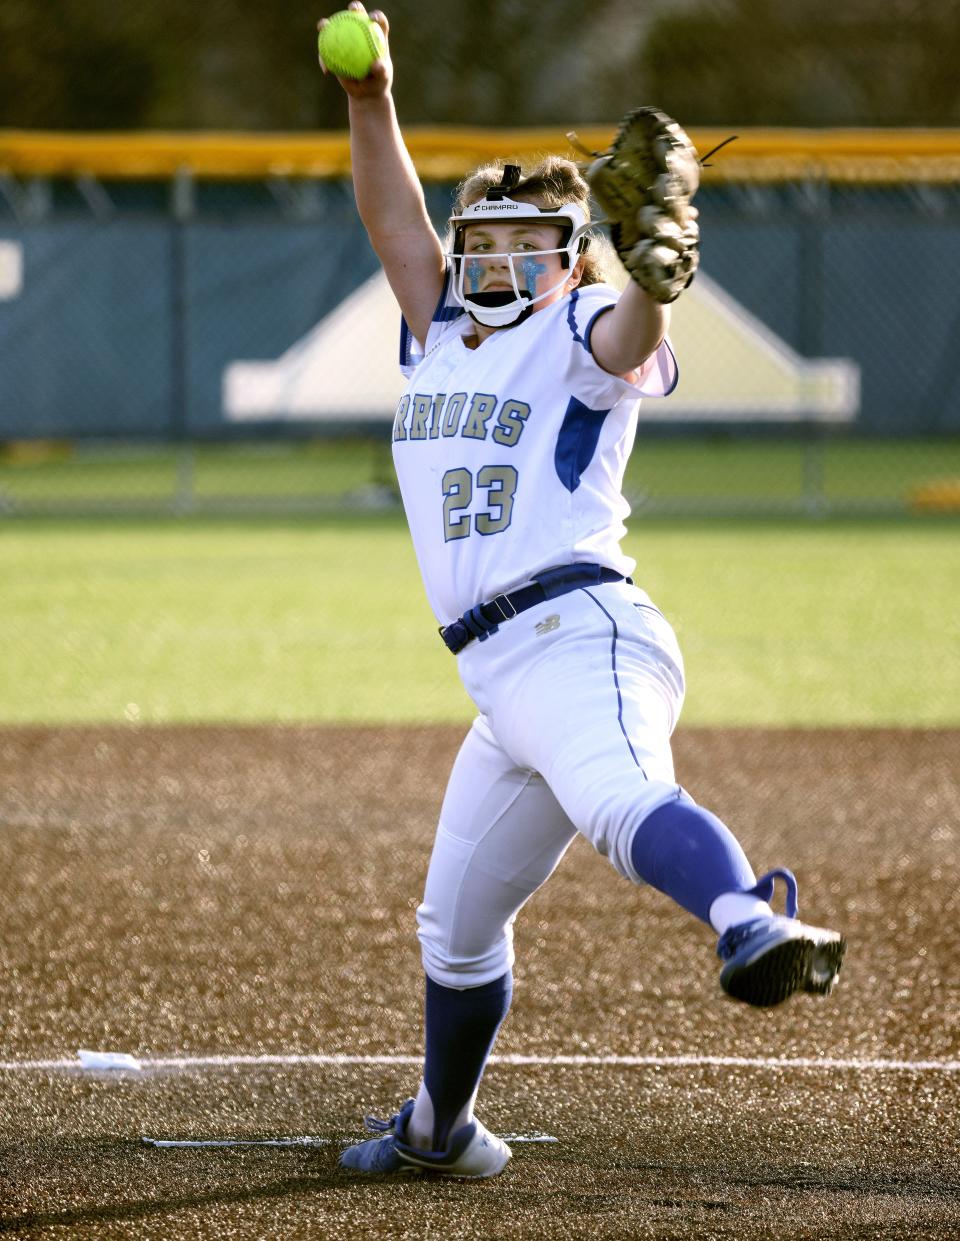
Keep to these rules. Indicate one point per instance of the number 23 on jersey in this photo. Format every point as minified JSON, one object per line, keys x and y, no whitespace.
{"x":494,"y":488}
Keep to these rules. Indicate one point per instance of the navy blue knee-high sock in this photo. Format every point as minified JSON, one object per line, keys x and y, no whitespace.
{"x":461,"y":1028}
{"x":691,"y":855}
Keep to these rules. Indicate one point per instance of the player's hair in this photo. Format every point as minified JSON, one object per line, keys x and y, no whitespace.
{"x":551,"y":182}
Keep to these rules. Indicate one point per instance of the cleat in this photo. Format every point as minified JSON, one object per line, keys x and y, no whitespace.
{"x":768,"y":959}
{"x":474,"y":1152}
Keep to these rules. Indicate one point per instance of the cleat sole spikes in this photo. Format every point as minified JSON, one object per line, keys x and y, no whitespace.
{"x":825,"y":963}
{"x":772,"y":977}
{"x":790,"y":958}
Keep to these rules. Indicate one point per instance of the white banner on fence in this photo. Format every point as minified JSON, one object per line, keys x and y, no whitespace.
{"x":732,"y":367}
{"x":11,"y":270}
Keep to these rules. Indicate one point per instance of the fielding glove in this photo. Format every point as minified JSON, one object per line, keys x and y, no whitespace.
{"x":644,"y":184}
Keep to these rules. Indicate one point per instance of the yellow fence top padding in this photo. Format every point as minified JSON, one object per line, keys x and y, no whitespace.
{"x":878,"y":156}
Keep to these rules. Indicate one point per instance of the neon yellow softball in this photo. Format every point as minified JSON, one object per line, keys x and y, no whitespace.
{"x":349,"y":43}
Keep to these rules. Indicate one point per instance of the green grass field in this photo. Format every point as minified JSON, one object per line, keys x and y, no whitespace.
{"x":199,"y":620}
{"x":776,"y":475}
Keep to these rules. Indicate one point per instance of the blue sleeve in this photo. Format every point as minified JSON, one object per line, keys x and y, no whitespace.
{"x":412,"y":351}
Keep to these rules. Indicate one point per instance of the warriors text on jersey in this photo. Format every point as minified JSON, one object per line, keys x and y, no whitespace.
{"x":510,"y":456}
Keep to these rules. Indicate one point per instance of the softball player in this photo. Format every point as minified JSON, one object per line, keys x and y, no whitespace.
{"x":525,"y":374}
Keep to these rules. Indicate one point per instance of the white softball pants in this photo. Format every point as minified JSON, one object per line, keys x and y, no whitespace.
{"x":578,"y":698}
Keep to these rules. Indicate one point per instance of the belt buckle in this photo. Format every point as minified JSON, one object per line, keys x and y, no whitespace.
{"x":496,"y":603}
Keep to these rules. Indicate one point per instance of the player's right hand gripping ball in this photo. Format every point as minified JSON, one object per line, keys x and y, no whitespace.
{"x":644,"y":184}
{"x":349,"y":43}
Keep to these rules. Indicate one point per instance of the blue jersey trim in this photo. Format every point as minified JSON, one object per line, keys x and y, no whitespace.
{"x":588,"y":332}
{"x":577,"y":442}
{"x":406,"y":338}
{"x":572,"y":320}
{"x":665,"y":344}
{"x":442,"y":313}
{"x":616,"y":679}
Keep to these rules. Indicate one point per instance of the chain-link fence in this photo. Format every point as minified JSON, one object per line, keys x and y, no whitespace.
{"x":206,"y":344}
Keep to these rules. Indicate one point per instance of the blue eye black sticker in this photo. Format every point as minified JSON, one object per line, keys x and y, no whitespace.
{"x":530,"y":269}
{"x":474,"y":272}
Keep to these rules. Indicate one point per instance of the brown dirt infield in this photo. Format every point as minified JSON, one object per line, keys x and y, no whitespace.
{"x":212,"y":891}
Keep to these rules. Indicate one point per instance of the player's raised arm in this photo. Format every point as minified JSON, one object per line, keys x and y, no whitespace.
{"x":644,"y":184}
{"x":388,"y":192}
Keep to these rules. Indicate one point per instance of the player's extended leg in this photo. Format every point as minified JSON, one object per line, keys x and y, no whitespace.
{"x":501,"y":834}
{"x":691,"y":855}
{"x":604,"y":688}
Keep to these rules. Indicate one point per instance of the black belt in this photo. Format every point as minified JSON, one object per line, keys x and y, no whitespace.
{"x":486,"y":618}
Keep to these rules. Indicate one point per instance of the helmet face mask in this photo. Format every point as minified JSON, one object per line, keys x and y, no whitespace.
{"x":506,"y":307}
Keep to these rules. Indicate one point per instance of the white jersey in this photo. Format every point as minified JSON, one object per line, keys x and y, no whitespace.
{"x":510,"y":456}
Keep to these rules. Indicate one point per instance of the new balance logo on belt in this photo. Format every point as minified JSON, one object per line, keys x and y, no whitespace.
{"x":547,"y":625}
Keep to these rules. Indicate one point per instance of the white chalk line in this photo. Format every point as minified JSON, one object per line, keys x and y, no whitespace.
{"x":196,"y":1143}
{"x":508,"y":1061}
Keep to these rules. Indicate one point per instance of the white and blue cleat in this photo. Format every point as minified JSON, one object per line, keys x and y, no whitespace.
{"x":474,"y":1151}
{"x":767,"y":959}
